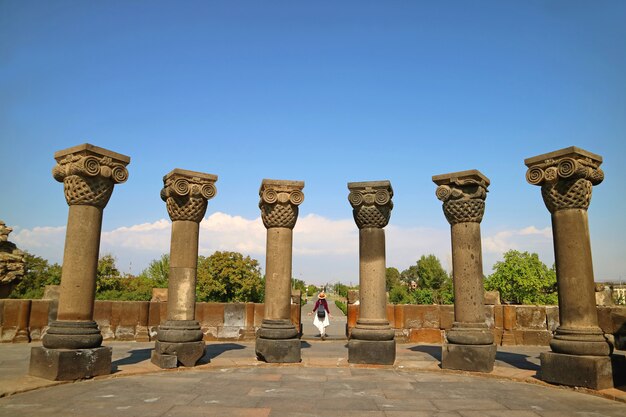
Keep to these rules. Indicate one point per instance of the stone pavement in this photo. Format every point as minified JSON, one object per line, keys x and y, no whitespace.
{"x":234,"y":383}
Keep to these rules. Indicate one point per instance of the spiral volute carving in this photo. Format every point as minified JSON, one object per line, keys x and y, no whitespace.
{"x":463,"y":201}
{"x":279,"y":204}
{"x":186,"y":196}
{"x":89,"y":179}
{"x":371,"y":205}
{"x":566,"y":182}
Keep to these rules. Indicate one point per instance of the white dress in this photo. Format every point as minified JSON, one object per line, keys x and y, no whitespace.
{"x":321,"y":324}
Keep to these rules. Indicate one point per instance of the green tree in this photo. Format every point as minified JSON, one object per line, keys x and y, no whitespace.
{"x":409,"y":274}
{"x":38,"y":274}
{"x":341,"y":289}
{"x":158,"y":271}
{"x":522,"y":278}
{"x":392,"y":278}
{"x":430,"y":272}
{"x":107,"y":274}
{"x":399,"y":295}
{"x":229,"y":276}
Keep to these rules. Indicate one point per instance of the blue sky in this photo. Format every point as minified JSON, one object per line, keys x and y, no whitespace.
{"x":325,"y":92}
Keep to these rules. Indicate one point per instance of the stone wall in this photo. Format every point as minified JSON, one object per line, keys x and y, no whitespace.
{"x":27,"y":320}
{"x":511,"y":324}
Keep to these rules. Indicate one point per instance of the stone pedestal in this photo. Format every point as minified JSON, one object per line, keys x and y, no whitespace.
{"x":71,"y":348}
{"x":372,"y":340}
{"x":277,"y":340}
{"x":179,"y":339}
{"x":567,"y":177}
{"x":470,"y":345}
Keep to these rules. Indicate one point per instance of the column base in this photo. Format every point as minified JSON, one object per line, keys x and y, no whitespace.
{"x":593,"y":372}
{"x":168,"y":355}
{"x":475,"y":358}
{"x":373,"y":352}
{"x":278,"y":350}
{"x":69,"y":364}
{"x":67,"y":334}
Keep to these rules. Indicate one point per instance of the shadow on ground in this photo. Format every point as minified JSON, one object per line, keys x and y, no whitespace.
{"x":518,"y":360}
{"x":434,"y":351}
{"x":136,"y":356}
{"x":215,"y":349}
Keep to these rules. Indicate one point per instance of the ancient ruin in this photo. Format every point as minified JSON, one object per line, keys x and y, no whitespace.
{"x":72,"y":346}
{"x":470,"y":344}
{"x":372,"y":339}
{"x":277,"y":340}
{"x":11,"y":262}
{"x":580,"y":353}
{"x":179,"y":339}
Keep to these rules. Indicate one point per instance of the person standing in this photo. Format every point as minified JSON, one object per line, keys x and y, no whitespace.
{"x":322,"y":314}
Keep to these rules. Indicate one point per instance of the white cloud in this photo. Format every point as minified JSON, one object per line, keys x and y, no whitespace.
{"x":325,"y":250}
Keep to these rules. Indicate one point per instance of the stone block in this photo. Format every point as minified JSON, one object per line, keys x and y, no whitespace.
{"x":391,"y":314}
{"x":531,"y":317}
{"x":295,"y":315}
{"x":10,"y":319}
{"x":398,"y":316}
{"x":154,"y":313}
{"x":618,"y":320}
{"x":380,"y":352}
{"x":552,"y":318}
{"x":186,"y":353}
{"x":492,"y":297}
{"x":353,"y":315}
{"x":164,"y":361}
{"x":446,"y":317}
{"x":210,"y":314}
{"x":532,"y":337}
{"x":278,"y":350}
{"x":39,"y":318}
{"x":102,"y":315}
{"x":421,"y":316}
{"x":69,"y":364}
{"x":497,"y":336}
{"x":426,"y":336}
{"x":476,"y":358}
{"x":159,"y":295}
{"x":509,"y":316}
{"x":593,"y":372}
{"x":353,"y":296}
{"x":498,"y":317}
{"x":259,"y":314}
{"x":490,"y":319}
{"x":51,"y":292}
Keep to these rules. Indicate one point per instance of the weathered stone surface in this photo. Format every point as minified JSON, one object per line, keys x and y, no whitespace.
{"x":159,"y":295}
{"x":38,"y":320}
{"x":371,"y":208}
{"x":532,"y":337}
{"x":531,"y":317}
{"x":103,"y":315}
{"x":593,"y":372}
{"x":463,"y":195}
{"x":382,"y":352}
{"x":186,"y":353}
{"x":567,"y":177}
{"x":69,"y":364}
{"x":279,"y":201}
{"x":278,"y":350}
{"x":12,"y":262}
{"x":51,"y":292}
{"x":446,"y":317}
{"x":552,"y":318}
{"x":476,"y":358}
{"x":425,"y":336}
{"x":353,"y":296}
{"x":421,"y":316}
{"x":492,"y":297}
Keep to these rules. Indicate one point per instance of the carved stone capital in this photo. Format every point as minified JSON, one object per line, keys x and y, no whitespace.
{"x":186,"y":194}
{"x":89,"y":174}
{"x":279,"y":201}
{"x":371,"y":203}
{"x":463,"y":195}
{"x":566,"y":177}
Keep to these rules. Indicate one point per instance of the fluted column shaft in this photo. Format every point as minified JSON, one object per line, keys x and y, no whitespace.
{"x":88,"y":174}
{"x":566,"y":178}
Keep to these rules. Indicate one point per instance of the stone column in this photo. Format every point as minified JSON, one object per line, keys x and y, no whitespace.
{"x":372,"y":339}
{"x":277,"y":340}
{"x":580,"y":353}
{"x":72,"y":347}
{"x":469,"y":343}
{"x":179,"y":339}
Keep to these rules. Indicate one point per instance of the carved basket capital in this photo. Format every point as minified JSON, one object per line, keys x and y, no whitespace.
{"x":371,"y":203}
{"x":186,"y":194}
{"x":279,"y":201}
{"x":463,"y":195}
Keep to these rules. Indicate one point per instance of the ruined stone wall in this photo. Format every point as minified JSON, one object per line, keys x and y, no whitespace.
{"x":510,"y":324}
{"x":27,"y":320}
